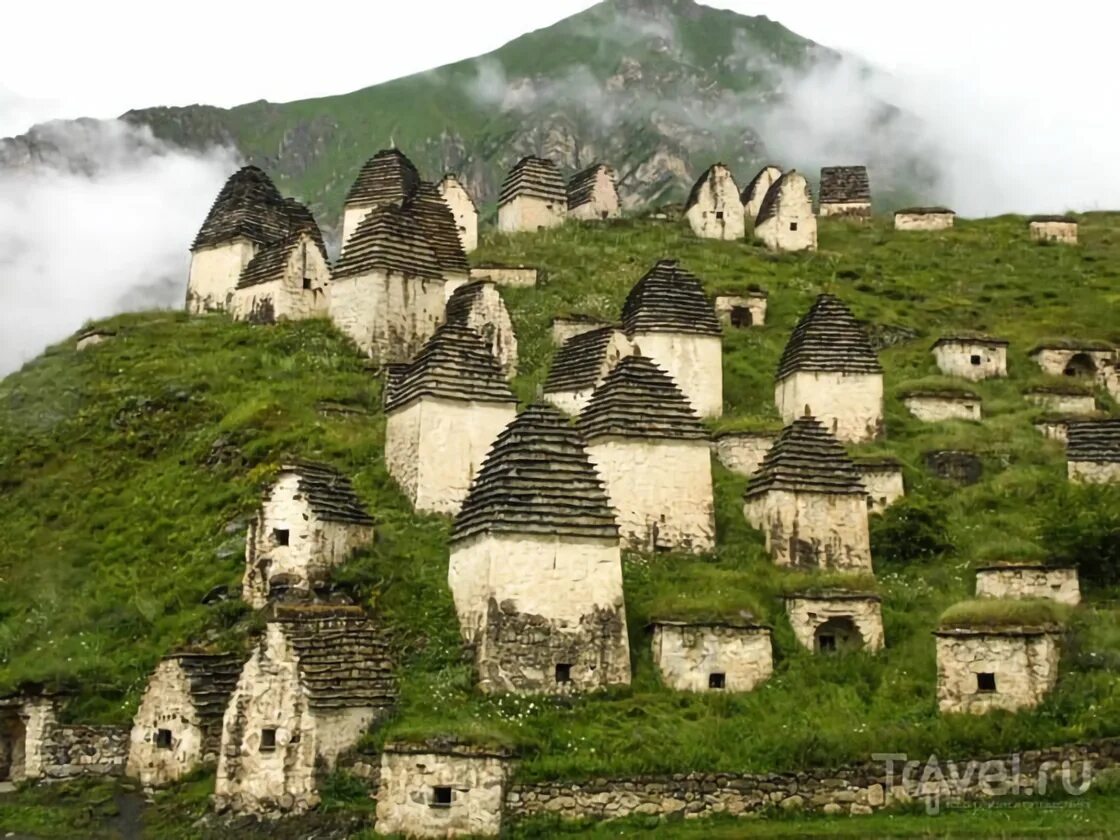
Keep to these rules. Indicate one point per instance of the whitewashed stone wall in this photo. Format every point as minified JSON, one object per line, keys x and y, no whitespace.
{"x":1024,"y":665}
{"x":1065,"y":232}
{"x":1094,"y":472}
{"x":166,"y":704}
{"x":1055,"y":360}
{"x":730,"y":307}
{"x":935,"y":408}
{"x":434,"y":447}
{"x":695,"y":362}
{"x":214,"y":273}
{"x":742,"y":452}
{"x":603,"y":205}
{"x":92,"y":339}
{"x":922,"y":221}
{"x":518,"y":276}
{"x":971,"y":361}
{"x":792,"y":227}
{"x":525,"y":213}
{"x":850,"y":405}
{"x":287,"y":299}
{"x":813,"y":529}
{"x":389,"y":316}
{"x":490,"y":319}
{"x":463,"y":209}
{"x":1063,"y":403}
{"x":352,"y":217}
{"x":253,"y":778}
{"x":853,"y":209}
{"x":661,"y":490}
{"x":809,"y":613}
{"x":406,"y":798}
{"x":1053,"y":582}
{"x":766,"y":179}
{"x":26,"y":727}
{"x":885,"y":485}
{"x":525,"y":600}
{"x":1054,"y":429}
{"x":688,"y":655}
{"x":718,"y":212}
{"x":315,"y":546}
{"x":564,"y":328}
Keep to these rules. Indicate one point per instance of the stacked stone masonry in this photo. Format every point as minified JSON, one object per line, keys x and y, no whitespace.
{"x":593,"y":194}
{"x":518,"y":276}
{"x":943,"y":404}
{"x":1053,"y":229}
{"x":834,"y":621}
{"x":478,"y":305}
{"x":712,"y":656}
{"x":785,"y":219}
{"x":463,"y":208}
{"x":924,"y":218}
{"x":533,"y":197}
{"x":286,"y":281}
{"x":564,"y":327}
{"x":1056,"y":583}
{"x":742,"y":452}
{"x":740,"y":311}
{"x":1093,"y":451}
{"x":714,"y":209}
{"x":755,"y":192}
{"x":1062,"y":401}
{"x":972,"y":357}
{"x":883,"y":479}
{"x":979,"y":670}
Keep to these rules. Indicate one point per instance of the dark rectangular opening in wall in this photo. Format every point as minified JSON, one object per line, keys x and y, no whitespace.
{"x":307,"y":283}
{"x":717,"y":681}
{"x":163,"y":739}
{"x":793,"y":225}
{"x":268,"y":740}
{"x":441,"y":797}
{"x":986,"y":683}
{"x":975,"y":360}
{"x":604,"y":214}
{"x":827,"y":643}
{"x":719,"y":215}
{"x":281,"y":536}
{"x":563,"y":673}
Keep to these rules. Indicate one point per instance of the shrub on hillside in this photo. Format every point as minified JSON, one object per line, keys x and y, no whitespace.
{"x":1082,"y":529}
{"x":910,"y":530}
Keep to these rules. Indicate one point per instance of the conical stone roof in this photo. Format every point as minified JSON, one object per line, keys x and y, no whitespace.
{"x":1094,"y":440}
{"x":828,"y":338}
{"x":388,"y":177}
{"x":538,"y":479}
{"x":249,"y":206}
{"x":669,"y":299}
{"x":640,"y":400}
{"x":581,"y":188}
{"x":578,"y":363}
{"x":535,"y":177}
{"x":388,"y":239}
{"x":806,"y":458}
{"x":437,"y":225}
{"x":455,"y":364}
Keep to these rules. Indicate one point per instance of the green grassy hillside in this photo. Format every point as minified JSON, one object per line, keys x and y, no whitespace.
{"x":128,"y":472}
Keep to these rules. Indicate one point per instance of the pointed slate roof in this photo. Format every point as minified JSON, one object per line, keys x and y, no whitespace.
{"x":436,"y":223}
{"x":1094,"y":440}
{"x":328,"y":492}
{"x":537,"y":479}
{"x":748,"y":193}
{"x":211,"y":678}
{"x":388,"y":177}
{"x":669,"y":299}
{"x":270,"y":262}
{"x":806,"y":458}
{"x":581,"y":188}
{"x":844,"y":185}
{"x":455,"y":364}
{"x":709,"y":175}
{"x":638,"y":399}
{"x":248,"y":205}
{"x":577,"y":364}
{"x":300,"y":218}
{"x":535,"y":177}
{"x":769,"y":207}
{"x":388,"y":239}
{"x":828,"y":338}
{"x":342,"y":657}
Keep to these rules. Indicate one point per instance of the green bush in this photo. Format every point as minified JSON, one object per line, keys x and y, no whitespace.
{"x":1083,"y":530}
{"x":910,"y":530}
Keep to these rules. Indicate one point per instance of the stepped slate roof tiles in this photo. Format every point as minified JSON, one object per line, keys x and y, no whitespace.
{"x":388,"y":177}
{"x":535,"y":177}
{"x":577,"y":364}
{"x":538,"y":479}
{"x":1094,"y":440}
{"x":389,"y":239}
{"x":806,"y":458}
{"x":459,"y":304}
{"x":971,"y":338}
{"x":300,"y":218}
{"x":455,"y":364}
{"x":211,"y":679}
{"x":329,"y":493}
{"x":828,"y":338}
{"x":845,"y":185}
{"x":270,"y":262}
{"x":769,"y":206}
{"x":249,"y":206}
{"x":669,"y":299}
{"x":639,"y":399}
{"x":581,"y":188}
{"x":436,"y":223}
{"x":343,"y":658}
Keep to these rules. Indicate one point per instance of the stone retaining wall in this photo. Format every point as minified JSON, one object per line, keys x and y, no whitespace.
{"x":85,"y":751}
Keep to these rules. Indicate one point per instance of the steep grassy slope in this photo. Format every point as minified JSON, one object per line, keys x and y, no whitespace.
{"x":127,"y":473}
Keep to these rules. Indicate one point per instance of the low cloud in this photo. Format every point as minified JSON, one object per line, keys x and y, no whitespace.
{"x":96,"y":218}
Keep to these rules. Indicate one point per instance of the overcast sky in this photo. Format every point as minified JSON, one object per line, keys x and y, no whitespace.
{"x":120,"y":54}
